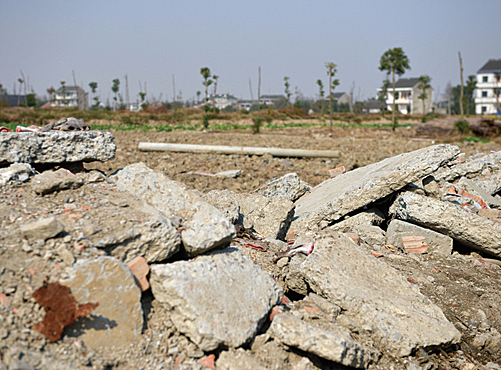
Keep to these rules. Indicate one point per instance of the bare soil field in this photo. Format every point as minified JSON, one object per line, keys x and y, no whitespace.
{"x":465,"y":285}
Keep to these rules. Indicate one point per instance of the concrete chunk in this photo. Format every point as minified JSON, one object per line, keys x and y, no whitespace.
{"x":270,"y":217}
{"x":50,"y":181}
{"x":127,"y":227}
{"x":437,"y":243}
{"x":330,"y":341}
{"x":338,"y":196}
{"x":56,"y":147}
{"x":118,"y":320}
{"x":470,"y":168}
{"x":42,"y":229}
{"x":374,"y":294}
{"x":218,"y":299}
{"x":203,"y":226}
{"x":450,"y":219}
{"x":16,"y":172}
{"x":289,"y":187}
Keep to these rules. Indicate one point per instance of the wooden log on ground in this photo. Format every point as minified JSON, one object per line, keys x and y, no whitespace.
{"x":223,"y":149}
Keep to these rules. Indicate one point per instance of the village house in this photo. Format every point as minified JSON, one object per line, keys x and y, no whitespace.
{"x":407,"y":97}
{"x":72,"y":97}
{"x":488,"y":88}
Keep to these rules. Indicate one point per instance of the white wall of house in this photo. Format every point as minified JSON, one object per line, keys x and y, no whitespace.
{"x":488,"y":97}
{"x":408,"y":101}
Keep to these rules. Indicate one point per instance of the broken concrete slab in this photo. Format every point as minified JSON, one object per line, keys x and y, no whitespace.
{"x":203,"y":226}
{"x":345,"y":193}
{"x":51,"y":181}
{"x":213,"y":300}
{"x":368,"y":217}
{"x":118,"y":320}
{"x":42,"y":229}
{"x":490,"y":182}
{"x":437,"y":242}
{"x":56,"y":147}
{"x":472,"y":167}
{"x":328,"y":341}
{"x":270,"y":217}
{"x":289,"y":186}
{"x":238,"y":360}
{"x":127,"y":227}
{"x":19,"y":172}
{"x":449,"y":219}
{"x":228,"y":206}
{"x":374,"y":295}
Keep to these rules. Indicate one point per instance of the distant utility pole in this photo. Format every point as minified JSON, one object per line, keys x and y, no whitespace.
{"x":127,"y":92}
{"x":462,"y":86}
{"x":174,"y":92}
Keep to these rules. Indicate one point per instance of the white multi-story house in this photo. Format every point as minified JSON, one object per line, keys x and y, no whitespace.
{"x":487,"y":99}
{"x":407,"y":97}
{"x":221,"y":101}
{"x":71,"y":96}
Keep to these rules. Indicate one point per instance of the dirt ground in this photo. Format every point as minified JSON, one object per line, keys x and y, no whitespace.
{"x":465,"y":286}
{"x":358,"y":146}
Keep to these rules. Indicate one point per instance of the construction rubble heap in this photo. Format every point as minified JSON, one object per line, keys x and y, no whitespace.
{"x":135,"y":270}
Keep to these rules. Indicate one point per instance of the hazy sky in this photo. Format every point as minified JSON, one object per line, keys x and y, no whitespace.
{"x":151,"y":41}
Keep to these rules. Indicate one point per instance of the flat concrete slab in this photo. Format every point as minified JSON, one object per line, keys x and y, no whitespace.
{"x":56,"y":147}
{"x":336,"y":197}
{"x":449,"y":219}
{"x":373,"y":294}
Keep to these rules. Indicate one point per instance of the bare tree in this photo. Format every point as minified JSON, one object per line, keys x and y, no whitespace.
{"x":462,"y":86}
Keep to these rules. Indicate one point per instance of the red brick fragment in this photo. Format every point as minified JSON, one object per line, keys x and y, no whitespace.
{"x":61,"y":310}
{"x":354,"y":237}
{"x":208,"y":361}
{"x":140,"y":270}
{"x":337,"y":171}
{"x":377,"y":254}
{"x":276,"y":310}
{"x":3,"y":299}
{"x":415,"y":244}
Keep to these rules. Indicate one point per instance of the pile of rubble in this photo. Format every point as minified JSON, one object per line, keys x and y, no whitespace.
{"x":288,"y":276}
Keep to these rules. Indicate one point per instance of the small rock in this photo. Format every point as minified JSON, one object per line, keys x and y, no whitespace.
{"x":42,"y":229}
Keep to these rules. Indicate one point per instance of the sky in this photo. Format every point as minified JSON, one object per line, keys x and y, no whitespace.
{"x":154,"y":42}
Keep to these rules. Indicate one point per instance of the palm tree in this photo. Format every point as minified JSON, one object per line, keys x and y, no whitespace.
{"x":394,"y":61}
{"x":205,"y":72}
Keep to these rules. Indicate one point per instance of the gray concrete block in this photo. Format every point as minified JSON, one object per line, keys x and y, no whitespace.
{"x":56,"y":147}
{"x":449,"y":219}
{"x":216,"y":300}
{"x":437,"y":243}
{"x":373,"y":294}
{"x":345,"y":193}
{"x":328,"y":341}
{"x":202,"y":225}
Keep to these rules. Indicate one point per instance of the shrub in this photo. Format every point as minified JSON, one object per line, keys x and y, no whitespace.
{"x":205,"y":121}
{"x":463,"y":126}
{"x":257,"y":125}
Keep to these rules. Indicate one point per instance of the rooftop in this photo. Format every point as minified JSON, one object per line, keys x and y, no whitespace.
{"x":493,"y":65}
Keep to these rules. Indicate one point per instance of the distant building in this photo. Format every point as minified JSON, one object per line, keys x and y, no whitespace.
{"x":71,"y":96}
{"x":12,"y":100}
{"x":221,"y":101}
{"x":407,"y":101}
{"x":373,"y":106}
{"x":340,"y":98}
{"x":488,"y":88}
{"x":270,"y":99}
{"x":244,"y":105}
